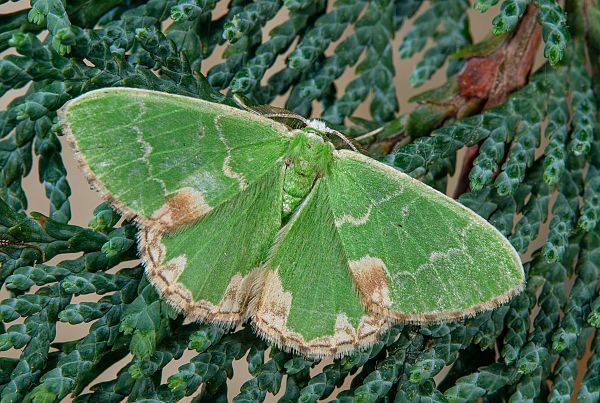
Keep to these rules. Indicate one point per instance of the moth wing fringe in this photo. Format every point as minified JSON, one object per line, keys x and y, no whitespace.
{"x":445,"y":317}
{"x":305,"y":350}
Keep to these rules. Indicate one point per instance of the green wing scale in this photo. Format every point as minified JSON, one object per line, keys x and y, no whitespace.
{"x":241,"y":217}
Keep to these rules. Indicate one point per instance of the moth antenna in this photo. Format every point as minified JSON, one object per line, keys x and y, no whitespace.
{"x":242,"y":103}
{"x":263,"y":110}
{"x":287,"y":116}
{"x":369,"y":134}
{"x":344,"y":139}
{"x":8,"y":242}
{"x":240,"y":100}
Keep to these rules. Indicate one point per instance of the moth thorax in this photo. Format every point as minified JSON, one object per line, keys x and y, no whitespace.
{"x":307,"y":160}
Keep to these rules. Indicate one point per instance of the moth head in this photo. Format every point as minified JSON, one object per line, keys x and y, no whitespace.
{"x":319,"y":127}
{"x":308,"y":148}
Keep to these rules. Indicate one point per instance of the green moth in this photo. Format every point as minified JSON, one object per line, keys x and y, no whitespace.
{"x":242,"y":217}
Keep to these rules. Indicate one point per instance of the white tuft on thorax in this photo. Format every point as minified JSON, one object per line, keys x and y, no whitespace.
{"x":318,"y":125}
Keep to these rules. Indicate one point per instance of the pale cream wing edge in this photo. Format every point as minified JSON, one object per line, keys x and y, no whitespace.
{"x":345,"y":341}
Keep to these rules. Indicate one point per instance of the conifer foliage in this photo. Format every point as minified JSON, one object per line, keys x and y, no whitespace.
{"x":525,"y":146}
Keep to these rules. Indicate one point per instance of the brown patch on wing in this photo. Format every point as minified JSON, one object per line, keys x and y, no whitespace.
{"x":270,"y":314}
{"x":185,"y":207}
{"x":371,"y":280}
{"x":274,"y":302}
{"x":235,"y":297}
{"x":230,"y":311}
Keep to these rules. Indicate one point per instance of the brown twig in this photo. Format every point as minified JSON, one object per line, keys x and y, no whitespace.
{"x":8,"y":242}
{"x":492,"y":78}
